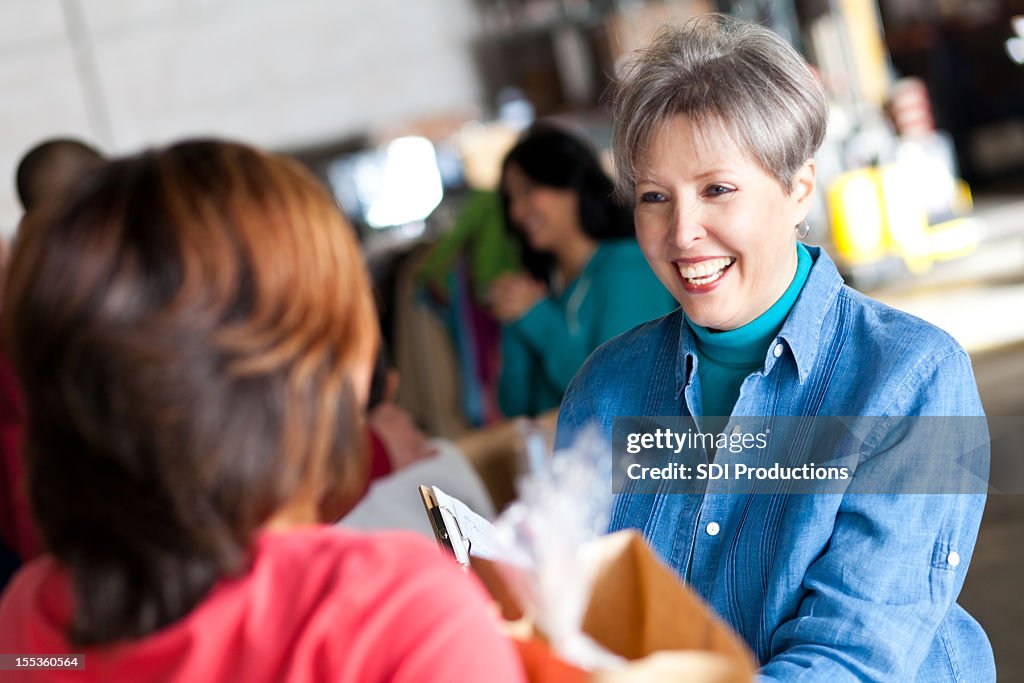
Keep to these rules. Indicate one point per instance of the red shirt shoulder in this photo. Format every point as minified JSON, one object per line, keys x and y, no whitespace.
{"x":316,"y":603}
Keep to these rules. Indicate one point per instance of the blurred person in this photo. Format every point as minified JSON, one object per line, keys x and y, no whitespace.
{"x":395,"y":440}
{"x":194,"y":332}
{"x":717,"y":123}
{"x":18,"y":534}
{"x":404,"y":457}
{"x":587,"y":279}
{"x":18,"y":539}
{"x":44,"y":176}
{"x":400,"y":440}
{"x":50,"y":170}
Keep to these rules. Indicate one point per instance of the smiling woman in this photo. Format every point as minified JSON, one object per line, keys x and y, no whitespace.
{"x":716,"y":228}
{"x":717,"y":123}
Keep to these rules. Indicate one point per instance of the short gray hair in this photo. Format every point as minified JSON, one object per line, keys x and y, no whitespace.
{"x":724,"y":72}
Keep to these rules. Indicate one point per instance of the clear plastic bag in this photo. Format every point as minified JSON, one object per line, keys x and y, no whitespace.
{"x":564,"y":504}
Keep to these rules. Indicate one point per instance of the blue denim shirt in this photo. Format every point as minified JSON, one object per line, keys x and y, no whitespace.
{"x":825,"y":587}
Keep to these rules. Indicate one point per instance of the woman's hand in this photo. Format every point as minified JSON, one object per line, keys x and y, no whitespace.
{"x":512,"y":295}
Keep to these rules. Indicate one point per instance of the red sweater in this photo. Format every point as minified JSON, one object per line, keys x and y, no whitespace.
{"x":16,"y":525}
{"x":318,"y":604}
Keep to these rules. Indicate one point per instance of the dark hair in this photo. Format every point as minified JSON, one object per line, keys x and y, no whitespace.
{"x":185,"y":330}
{"x":51,"y":168}
{"x":552,"y":157}
{"x":379,"y":378}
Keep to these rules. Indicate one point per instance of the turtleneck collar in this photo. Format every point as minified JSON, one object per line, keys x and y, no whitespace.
{"x":746,"y":346}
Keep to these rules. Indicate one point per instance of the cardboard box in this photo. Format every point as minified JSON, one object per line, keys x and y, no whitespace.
{"x":639,"y":610}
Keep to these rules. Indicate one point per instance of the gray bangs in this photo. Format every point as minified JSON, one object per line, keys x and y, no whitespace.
{"x":728,"y":77}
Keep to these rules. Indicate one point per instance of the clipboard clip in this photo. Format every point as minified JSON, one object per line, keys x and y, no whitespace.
{"x":447,"y":529}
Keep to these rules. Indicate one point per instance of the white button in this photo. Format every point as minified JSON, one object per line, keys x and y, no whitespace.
{"x":735,"y":430}
{"x":713,"y":529}
{"x":777,"y":350}
{"x":953,"y":559}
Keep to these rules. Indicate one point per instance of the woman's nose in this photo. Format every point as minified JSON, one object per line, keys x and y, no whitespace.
{"x":687,"y":227}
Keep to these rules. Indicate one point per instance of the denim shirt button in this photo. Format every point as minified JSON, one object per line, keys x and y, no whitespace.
{"x":953,"y":559}
{"x":713,"y":530}
{"x":736,"y":430}
{"x":777,"y":351}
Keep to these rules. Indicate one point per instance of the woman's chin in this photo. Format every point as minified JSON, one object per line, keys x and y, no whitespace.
{"x":538,"y":243}
{"x":710,"y":319}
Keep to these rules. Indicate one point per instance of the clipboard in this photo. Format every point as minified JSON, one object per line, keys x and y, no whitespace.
{"x":445,"y":524}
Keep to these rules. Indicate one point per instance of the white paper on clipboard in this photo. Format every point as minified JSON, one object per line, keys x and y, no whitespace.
{"x":465,"y":532}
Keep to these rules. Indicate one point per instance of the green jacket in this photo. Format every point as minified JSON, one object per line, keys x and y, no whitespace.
{"x":479,"y":236}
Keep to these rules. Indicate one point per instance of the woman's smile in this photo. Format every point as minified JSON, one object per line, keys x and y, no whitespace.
{"x":703,"y":275}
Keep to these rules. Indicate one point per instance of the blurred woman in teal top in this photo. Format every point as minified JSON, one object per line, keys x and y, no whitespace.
{"x":587,"y":280}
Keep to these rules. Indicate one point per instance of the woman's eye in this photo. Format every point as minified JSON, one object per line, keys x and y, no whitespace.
{"x":717,"y":190}
{"x":652,"y":197}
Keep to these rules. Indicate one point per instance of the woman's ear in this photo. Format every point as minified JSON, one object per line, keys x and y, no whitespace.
{"x":804,"y":182}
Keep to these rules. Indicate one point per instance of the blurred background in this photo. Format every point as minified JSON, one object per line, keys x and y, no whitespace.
{"x":405,"y":109}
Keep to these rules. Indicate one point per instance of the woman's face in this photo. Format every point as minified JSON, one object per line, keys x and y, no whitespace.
{"x":718,"y":230}
{"x":546,"y":216}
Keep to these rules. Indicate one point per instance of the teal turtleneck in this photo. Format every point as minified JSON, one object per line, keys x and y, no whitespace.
{"x":724,"y":359}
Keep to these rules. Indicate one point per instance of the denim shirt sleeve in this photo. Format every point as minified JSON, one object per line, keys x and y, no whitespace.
{"x":877,"y":596}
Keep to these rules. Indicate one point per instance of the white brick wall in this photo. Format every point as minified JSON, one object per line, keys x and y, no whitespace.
{"x":275,"y":72}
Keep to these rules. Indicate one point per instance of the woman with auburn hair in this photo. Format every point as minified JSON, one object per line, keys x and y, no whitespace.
{"x":195,"y":334}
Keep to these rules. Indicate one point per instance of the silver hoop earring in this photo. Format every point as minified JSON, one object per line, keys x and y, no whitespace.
{"x":802,"y":230}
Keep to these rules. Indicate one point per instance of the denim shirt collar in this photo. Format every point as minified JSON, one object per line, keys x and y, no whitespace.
{"x":801,"y":332}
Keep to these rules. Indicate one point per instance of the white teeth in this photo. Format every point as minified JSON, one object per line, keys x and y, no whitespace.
{"x":706,"y":271}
